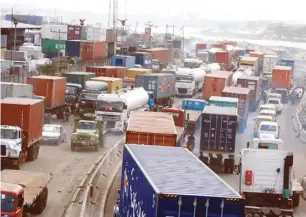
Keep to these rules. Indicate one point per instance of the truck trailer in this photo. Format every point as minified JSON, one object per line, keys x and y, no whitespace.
{"x":171,"y":181}
{"x":16,"y":90}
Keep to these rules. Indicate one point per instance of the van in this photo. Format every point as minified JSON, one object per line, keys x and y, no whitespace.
{"x":268,"y":113}
{"x":275,"y":95}
{"x":258,"y":120}
{"x":268,"y":127}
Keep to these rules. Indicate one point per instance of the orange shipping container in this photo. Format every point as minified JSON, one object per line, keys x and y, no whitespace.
{"x":260,"y":56}
{"x":28,"y":114}
{"x":93,"y":50}
{"x":107,"y":71}
{"x":223,"y":57}
{"x":51,"y":87}
{"x":214,"y":83}
{"x":200,"y":47}
{"x":163,"y":55}
{"x":151,"y":128}
{"x":281,"y":76}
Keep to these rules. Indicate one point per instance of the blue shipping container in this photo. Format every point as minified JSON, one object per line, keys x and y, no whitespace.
{"x":125,"y":61}
{"x":145,"y":60}
{"x":287,"y":62}
{"x":73,"y":48}
{"x":193,"y":104}
{"x":157,"y":181}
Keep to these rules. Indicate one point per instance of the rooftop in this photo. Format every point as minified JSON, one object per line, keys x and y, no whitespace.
{"x":5,"y":24}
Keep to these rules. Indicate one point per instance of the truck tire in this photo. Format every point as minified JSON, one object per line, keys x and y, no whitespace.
{"x":296,"y":200}
{"x":31,"y":153}
{"x":41,"y":202}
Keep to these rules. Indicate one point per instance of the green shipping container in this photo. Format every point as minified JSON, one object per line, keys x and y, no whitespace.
{"x":84,"y":33}
{"x":223,"y":101}
{"x":51,"y":46}
{"x":79,"y":77}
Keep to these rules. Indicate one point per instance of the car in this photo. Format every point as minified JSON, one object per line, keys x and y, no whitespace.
{"x":258,"y":120}
{"x":53,"y":134}
{"x":267,"y":107}
{"x":270,"y":113}
{"x":274,"y":95}
{"x":278,"y":104}
{"x":268,"y":127}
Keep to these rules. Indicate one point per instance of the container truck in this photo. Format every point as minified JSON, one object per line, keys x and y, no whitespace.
{"x":189,"y":81}
{"x":253,"y":83}
{"x":113,"y":84}
{"x":162,"y":55}
{"x":192,"y":63}
{"x":211,"y":68}
{"x":114,"y":109}
{"x":203,"y":55}
{"x":243,"y":95}
{"x":89,"y":95}
{"x":273,"y":192}
{"x":19,"y":136}
{"x":107,"y":71}
{"x":223,"y":101}
{"x":125,"y":61}
{"x":251,"y":63}
{"x":79,"y":77}
{"x":144,"y":59}
{"x":16,"y":90}
{"x":160,"y":85}
{"x":151,"y":128}
{"x":53,"y":88}
{"x":23,"y":193}
{"x":281,"y":77}
{"x":133,"y":72}
{"x":260,"y":57}
{"x":224,"y":58}
{"x":176,"y":183}
{"x":218,"y":138}
{"x":287,"y":62}
{"x":269,"y":62}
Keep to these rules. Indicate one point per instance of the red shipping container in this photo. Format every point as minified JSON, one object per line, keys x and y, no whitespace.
{"x":243,"y":96}
{"x":25,"y":113}
{"x":121,"y":72}
{"x":163,"y":55}
{"x":107,"y":71}
{"x":251,"y":82}
{"x":73,"y":32}
{"x":93,"y":50}
{"x":214,"y":83}
{"x":224,"y":57}
{"x":281,"y":76}
{"x":201,"y":46}
{"x":53,"y":88}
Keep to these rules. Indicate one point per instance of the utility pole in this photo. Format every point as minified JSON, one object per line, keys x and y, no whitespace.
{"x":136,"y":26}
{"x":15,"y":20}
{"x":123,"y":22}
{"x":166,"y":38}
{"x":109,"y":13}
{"x":82,"y":22}
{"x":183,"y":42}
{"x":150,"y":25}
{"x":59,"y":32}
{"x":114,"y":14}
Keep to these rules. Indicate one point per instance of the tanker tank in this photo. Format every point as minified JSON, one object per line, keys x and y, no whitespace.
{"x":135,"y":99}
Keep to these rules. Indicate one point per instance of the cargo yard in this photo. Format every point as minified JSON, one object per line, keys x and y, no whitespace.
{"x":205,"y":133}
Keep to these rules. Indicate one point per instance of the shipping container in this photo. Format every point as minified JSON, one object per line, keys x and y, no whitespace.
{"x":218,"y":45}
{"x":223,"y":101}
{"x":28,"y":114}
{"x":239,"y":51}
{"x":84,"y":32}
{"x":177,"y":44}
{"x":107,"y":71}
{"x":125,"y":61}
{"x":73,"y":48}
{"x":165,"y":173}
{"x":52,"y":46}
{"x":218,"y":132}
{"x":163,"y":55}
{"x":133,"y":72}
{"x":214,"y":83}
{"x":79,"y":77}
{"x":281,"y":77}
{"x":111,"y":35}
{"x":144,"y":59}
{"x":3,"y":41}
{"x":151,"y":128}
{"x":161,"y":84}
{"x":93,"y":33}
{"x":224,"y":57}
{"x":287,"y":62}
{"x":53,"y":88}
{"x":54,"y":32}
{"x":93,"y":50}
{"x":251,"y":62}
{"x":270,"y":61}
{"x":110,"y":49}
{"x":193,"y":104}
{"x":16,"y":90}
{"x":114,"y":84}
{"x":73,"y":32}
{"x":260,"y":57}
{"x":200,"y":47}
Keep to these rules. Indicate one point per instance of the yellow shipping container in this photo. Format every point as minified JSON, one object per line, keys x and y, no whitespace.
{"x":2,"y":52}
{"x":248,"y":61}
{"x":131,"y":73}
{"x":113,"y":83}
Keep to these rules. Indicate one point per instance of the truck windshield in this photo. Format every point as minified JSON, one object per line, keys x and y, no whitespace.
{"x":109,"y":106}
{"x":268,"y":146}
{"x":270,"y":128}
{"x":191,"y":65}
{"x":8,"y":134}
{"x":71,"y":90}
{"x":86,"y":125}
{"x":184,"y":79}
{"x":90,"y":95}
{"x":273,"y":101}
{"x":51,"y":129}
{"x":7,"y":203}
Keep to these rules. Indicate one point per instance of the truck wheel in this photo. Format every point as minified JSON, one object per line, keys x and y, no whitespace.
{"x":72,"y":146}
{"x":31,"y":153}
{"x":296,"y":200}
{"x":41,"y":202}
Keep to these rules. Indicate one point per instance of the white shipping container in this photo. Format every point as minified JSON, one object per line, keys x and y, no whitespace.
{"x":269,"y":62}
{"x":52,"y":31}
{"x":16,"y":90}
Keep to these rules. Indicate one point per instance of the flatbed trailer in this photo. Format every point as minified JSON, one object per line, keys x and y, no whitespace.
{"x":32,"y":185}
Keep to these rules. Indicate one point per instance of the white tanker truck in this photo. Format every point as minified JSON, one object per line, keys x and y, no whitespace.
{"x":114,"y":109}
{"x":189,"y":81}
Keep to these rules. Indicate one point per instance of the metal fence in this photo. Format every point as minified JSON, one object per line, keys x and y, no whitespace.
{"x":297,"y":124}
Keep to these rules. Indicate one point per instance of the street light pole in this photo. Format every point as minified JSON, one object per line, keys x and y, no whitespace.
{"x":182,"y":28}
{"x":82,"y":22}
{"x":15,"y":21}
{"x":123,"y":22}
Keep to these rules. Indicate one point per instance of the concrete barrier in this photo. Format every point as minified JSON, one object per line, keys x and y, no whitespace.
{"x":100,"y":182}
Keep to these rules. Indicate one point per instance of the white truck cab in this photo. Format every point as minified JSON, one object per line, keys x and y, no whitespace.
{"x":11,"y":139}
{"x":268,"y":127}
{"x":192,"y":63}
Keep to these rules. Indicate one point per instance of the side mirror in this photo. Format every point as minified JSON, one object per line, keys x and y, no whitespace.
{"x":248,"y":144}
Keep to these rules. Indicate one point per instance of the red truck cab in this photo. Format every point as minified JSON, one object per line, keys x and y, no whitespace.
{"x":178,"y":115}
{"x":12,"y":198}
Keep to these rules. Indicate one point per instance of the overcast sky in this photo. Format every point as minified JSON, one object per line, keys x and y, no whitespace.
{"x":214,"y":9}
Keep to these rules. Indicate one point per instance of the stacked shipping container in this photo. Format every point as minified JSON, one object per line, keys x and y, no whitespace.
{"x":107,"y":71}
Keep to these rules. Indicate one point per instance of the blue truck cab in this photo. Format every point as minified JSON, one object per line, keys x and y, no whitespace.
{"x":159,"y":181}
{"x":193,"y":104}
{"x":287,"y":62}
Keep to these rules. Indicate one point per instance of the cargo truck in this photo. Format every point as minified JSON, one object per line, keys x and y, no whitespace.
{"x":114,"y":109}
{"x":192,"y":63}
{"x":19,"y":136}
{"x":151,"y":128}
{"x":160,"y":85}
{"x":288,"y":62}
{"x":272,"y":194}
{"x":133,"y":72}
{"x":72,"y":96}
{"x":269,"y":62}
{"x":189,"y":81}
{"x":281,"y":77}
{"x":251,"y":63}
{"x":53,"y":88}
{"x":89,"y":95}
{"x":23,"y":193}
{"x":176,"y":183}
{"x":16,"y":90}
{"x":218,"y":138}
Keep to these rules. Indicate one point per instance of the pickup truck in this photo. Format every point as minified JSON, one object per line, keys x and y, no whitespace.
{"x":23,"y":193}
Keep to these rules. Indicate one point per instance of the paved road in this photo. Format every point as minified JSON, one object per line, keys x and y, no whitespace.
{"x":67,"y":168}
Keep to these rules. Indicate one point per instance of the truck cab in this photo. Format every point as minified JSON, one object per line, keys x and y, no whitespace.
{"x":72,"y":94}
{"x":155,"y":65}
{"x":266,"y":141}
{"x":12,"y":198}
{"x":192,"y":63}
